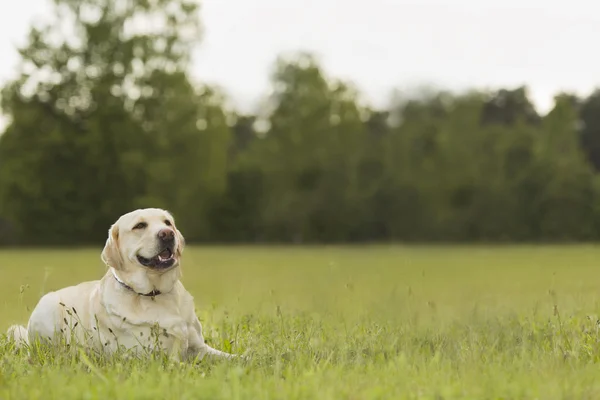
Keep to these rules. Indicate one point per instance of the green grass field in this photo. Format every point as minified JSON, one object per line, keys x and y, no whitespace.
{"x":341,"y":323}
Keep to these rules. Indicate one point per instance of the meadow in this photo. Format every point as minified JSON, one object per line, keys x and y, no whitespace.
{"x":361,"y":322}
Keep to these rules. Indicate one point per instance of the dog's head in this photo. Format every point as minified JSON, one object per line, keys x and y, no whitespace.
{"x":144,"y":239}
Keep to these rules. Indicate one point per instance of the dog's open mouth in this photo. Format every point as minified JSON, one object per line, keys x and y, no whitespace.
{"x":164,"y":259}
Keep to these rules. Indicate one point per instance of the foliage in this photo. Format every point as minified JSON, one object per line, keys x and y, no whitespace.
{"x":105,"y":118}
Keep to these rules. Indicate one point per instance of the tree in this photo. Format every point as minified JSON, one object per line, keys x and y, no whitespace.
{"x":568,"y":198}
{"x":76,"y":148}
{"x":310,"y":154}
{"x":590,"y":127}
{"x":404,"y":203}
{"x":507,"y":107}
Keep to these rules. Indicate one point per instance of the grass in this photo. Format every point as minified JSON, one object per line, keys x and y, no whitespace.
{"x":341,"y":323}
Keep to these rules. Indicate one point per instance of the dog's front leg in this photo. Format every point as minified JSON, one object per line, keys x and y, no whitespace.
{"x":198,"y":348}
{"x":209,"y":351}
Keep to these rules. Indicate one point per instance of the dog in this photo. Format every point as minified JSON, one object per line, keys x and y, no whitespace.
{"x":139,"y":305}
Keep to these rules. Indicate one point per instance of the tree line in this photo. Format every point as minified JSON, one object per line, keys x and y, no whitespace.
{"x":107,"y":120}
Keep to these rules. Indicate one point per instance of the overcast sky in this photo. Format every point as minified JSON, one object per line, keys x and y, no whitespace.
{"x":550,"y":45}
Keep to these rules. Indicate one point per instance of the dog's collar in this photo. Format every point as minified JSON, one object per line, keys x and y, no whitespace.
{"x":126,"y":286}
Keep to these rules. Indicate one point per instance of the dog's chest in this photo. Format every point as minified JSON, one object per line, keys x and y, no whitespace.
{"x":170,"y":336}
{"x":148,"y":328}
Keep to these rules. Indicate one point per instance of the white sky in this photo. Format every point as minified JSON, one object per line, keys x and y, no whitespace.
{"x":550,"y":45}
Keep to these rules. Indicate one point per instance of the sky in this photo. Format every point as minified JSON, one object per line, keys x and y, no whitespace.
{"x":381,"y":45}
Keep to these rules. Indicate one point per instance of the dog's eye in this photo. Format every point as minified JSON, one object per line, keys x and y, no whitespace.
{"x":167,"y":222}
{"x":141,"y":225}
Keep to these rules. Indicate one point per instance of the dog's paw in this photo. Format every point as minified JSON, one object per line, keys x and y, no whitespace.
{"x":246,"y":355}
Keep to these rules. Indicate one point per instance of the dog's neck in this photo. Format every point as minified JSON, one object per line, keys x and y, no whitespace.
{"x":126,"y":286}
{"x":147,"y":283}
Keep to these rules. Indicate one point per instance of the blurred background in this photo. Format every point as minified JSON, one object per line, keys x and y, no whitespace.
{"x":301,"y":121}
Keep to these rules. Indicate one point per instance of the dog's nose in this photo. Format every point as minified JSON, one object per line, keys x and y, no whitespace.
{"x":166,"y":235}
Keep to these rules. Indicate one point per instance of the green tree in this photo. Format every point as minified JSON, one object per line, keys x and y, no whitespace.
{"x":567,"y":201}
{"x":310,"y":154}
{"x":508,"y":107}
{"x":188,"y":150}
{"x":80,"y":141}
{"x":590,"y":127}
{"x":408,"y":191}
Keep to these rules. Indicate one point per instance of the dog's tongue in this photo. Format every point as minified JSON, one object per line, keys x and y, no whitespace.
{"x":166,"y":253}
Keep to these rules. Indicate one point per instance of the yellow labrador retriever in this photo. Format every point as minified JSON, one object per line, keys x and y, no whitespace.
{"x":140,"y":304}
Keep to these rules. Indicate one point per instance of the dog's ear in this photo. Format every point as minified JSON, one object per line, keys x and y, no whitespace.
{"x":180,"y":243}
{"x":180,"y":238}
{"x":111,"y":256}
